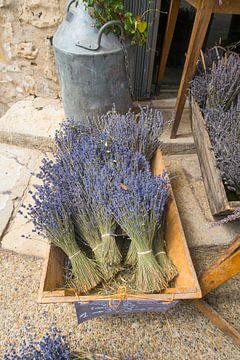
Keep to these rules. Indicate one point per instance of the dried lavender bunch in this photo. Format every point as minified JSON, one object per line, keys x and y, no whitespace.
{"x":51,"y":218}
{"x":224,"y":87}
{"x":139,"y":132}
{"x":160,"y":251}
{"x":138,"y":207}
{"x":206,"y":60}
{"x":224,"y":132}
{"x":93,"y":164}
{"x":199,"y":87}
{"x":218,"y":85}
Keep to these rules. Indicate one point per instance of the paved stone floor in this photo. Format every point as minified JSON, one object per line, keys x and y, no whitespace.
{"x":182,"y":333}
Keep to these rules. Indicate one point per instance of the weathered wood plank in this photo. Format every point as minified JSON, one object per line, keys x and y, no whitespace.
{"x":227,"y":6}
{"x":223,"y":269}
{"x":215,"y":191}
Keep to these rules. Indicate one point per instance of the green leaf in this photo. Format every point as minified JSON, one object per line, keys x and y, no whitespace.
{"x":142,"y":26}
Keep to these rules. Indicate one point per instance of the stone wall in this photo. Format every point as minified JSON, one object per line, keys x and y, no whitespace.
{"x":26,"y":56}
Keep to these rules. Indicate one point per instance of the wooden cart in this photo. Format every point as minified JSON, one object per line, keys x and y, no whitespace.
{"x":186,"y":284}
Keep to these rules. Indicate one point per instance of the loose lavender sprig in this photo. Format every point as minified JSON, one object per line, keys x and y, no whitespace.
{"x":233,"y":217}
{"x":138,"y":207}
{"x":51,"y":218}
{"x":52,"y":346}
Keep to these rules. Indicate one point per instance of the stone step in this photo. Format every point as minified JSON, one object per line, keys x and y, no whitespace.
{"x":16,"y":179}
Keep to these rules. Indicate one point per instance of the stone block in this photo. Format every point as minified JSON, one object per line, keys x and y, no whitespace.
{"x":31,"y":122}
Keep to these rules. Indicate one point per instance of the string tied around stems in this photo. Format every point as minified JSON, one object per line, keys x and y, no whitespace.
{"x":107,"y":234}
{"x":160,"y":252}
{"x":74,"y":255}
{"x":144,"y":252}
{"x":96,"y":247}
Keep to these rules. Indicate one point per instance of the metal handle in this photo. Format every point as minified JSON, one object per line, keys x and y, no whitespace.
{"x":70,"y":4}
{"x":96,"y":46}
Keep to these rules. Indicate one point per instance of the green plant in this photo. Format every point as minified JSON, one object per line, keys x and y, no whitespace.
{"x":106,"y":10}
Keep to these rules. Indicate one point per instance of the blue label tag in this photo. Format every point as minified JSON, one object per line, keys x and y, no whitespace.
{"x":92,"y":309}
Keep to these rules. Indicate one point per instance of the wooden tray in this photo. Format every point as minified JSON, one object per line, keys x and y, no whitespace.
{"x":216,"y":194}
{"x":186,"y":283}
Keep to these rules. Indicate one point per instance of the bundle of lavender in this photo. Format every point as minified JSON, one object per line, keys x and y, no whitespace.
{"x":139,"y":207}
{"x":99,"y":179}
{"x":90,"y":168}
{"x":51,"y":218}
{"x":139,"y":132}
{"x":216,"y":88}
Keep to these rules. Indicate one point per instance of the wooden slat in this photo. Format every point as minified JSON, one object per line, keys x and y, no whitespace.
{"x":171,"y":23}
{"x":216,"y":319}
{"x":186,"y":283}
{"x":223,"y":269}
{"x":200,"y":26}
{"x":227,"y":6}
{"x":215,"y":191}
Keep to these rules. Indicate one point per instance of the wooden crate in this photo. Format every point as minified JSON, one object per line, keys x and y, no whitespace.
{"x":186,"y":283}
{"x":216,"y":194}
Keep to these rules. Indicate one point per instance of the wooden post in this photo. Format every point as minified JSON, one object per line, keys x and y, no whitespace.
{"x":222,"y":270}
{"x":171,"y":23}
{"x":216,"y":319}
{"x":200,"y":26}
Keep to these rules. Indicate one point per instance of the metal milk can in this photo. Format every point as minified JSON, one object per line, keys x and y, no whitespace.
{"x":94,"y":68}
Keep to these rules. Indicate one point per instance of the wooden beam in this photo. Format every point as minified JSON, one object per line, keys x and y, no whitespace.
{"x":171,"y":23}
{"x":223,"y":269}
{"x":227,"y":6}
{"x":216,"y":319}
{"x":200,"y":26}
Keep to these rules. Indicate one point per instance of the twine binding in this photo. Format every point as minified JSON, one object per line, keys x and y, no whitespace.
{"x":120,"y":296}
{"x":96,"y":247}
{"x":144,"y":252}
{"x":72,"y":256}
{"x":160,"y":252}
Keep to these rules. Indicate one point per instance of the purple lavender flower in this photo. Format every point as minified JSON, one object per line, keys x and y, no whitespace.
{"x":138,"y":205}
{"x":52,"y":218}
{"x":232,"y":217}
{"x":52,"y":346}
{"x":91,"y":168}
{"x":217,"y":91}
{"x":139,"y":132}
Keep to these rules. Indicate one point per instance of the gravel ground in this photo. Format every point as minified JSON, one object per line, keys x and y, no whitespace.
{"x":181,"y":333}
